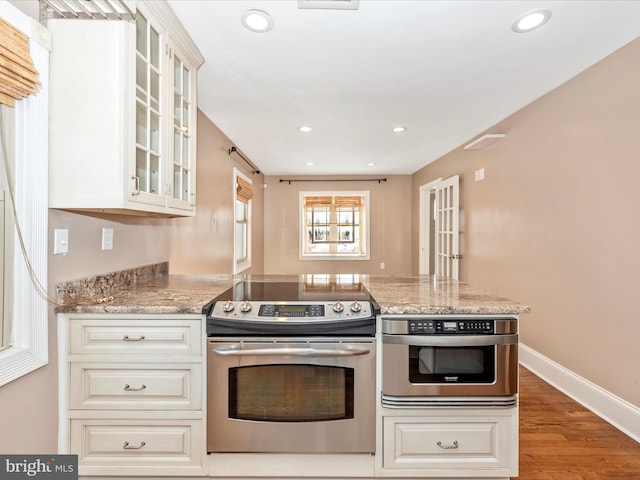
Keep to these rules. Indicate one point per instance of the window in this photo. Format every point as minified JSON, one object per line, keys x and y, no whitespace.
{"x":242,"y":232}
{"x":334,"y":225}
{"x":25,"y":134}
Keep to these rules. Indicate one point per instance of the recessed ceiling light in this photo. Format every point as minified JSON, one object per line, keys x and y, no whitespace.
{"x":305,"y":129}
{"x":257,"y":21}
{"x":399,"y":129}
{"x":531,"y":20}
{"x":371,"y":164}
{"x":309,"y":164}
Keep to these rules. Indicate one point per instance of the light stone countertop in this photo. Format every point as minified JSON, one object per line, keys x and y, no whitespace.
{"x":156,"y":292}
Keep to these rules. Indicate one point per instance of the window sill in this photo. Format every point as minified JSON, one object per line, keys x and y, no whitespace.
{"x":343,"y":257}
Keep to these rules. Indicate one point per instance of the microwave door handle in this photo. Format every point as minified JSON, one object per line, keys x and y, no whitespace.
{"x":290,"y":351}
{"x":451,"y":340}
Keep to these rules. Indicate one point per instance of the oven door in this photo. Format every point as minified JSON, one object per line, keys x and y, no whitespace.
{"x":450,"y":365}
{"x":291,"y":395}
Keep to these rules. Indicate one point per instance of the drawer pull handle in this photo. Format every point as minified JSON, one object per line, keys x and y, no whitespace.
{"x":126,"y":446}
{"x":452,"y":446}
{"x":128,"y":388}
{"x":127,"y":338}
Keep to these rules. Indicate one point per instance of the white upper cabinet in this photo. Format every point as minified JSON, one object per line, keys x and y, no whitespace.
{"x":123,"y":112}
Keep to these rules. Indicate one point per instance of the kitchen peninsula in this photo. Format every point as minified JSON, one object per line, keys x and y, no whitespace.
{"x":133,"y":377}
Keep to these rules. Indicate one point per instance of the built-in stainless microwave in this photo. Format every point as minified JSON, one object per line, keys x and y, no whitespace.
{"x":436,"y":356}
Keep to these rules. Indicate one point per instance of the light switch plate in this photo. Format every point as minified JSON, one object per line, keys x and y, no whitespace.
{"x":107,"y":239}
{"x":60,"y":241}
{"x":479,"y":174}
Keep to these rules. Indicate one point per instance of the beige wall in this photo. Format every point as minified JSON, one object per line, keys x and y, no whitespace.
{"x":556,"y":222}
{"x":390,"y":226}
{"x":204,"y":243}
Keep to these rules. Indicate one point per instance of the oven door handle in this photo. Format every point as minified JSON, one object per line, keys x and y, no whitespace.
{"x":291,"y":351}
{"x":451,"y":340}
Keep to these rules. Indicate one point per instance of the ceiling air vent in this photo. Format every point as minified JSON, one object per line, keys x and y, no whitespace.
{"x":330,"y":4}
{"x":85,"y":9}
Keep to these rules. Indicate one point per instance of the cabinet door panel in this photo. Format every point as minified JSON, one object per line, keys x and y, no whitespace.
{"x":129,"y":387}
{"x":179,"y":338}
{"x":435,"y":443}
{"x":138,"y":447}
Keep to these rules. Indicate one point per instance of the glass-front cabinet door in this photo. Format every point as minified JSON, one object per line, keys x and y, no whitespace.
{"x":182,"y":122}
{"x":147,"y":180}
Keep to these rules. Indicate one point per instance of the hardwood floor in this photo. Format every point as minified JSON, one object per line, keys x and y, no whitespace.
{"x":562,"y":440}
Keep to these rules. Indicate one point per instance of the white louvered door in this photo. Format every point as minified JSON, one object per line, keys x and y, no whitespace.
{"x":447,"y":227}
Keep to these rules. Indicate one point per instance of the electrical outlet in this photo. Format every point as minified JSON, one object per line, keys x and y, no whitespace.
{"x":107,"y":239}
{"x":382,"y":266}
{"x":60,"y":241}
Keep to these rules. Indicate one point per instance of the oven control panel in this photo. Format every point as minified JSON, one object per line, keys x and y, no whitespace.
{"x":466,"y":327}
{"x":292,"y":311}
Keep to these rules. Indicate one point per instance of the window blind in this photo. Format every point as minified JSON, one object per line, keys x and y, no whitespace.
{"x":18,"y":76}
{"x":244,"y":190}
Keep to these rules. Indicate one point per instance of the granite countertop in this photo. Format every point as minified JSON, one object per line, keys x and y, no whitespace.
{"x":150,"y":289}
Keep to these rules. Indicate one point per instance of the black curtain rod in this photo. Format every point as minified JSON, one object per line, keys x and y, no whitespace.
{"x":379,"y":180}
{"x":254,"y":169}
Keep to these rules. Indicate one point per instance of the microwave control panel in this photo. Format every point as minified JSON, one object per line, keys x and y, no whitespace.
{"x":465,"y":327}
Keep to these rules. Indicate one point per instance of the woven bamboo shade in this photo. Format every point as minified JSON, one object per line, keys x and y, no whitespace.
{"x":18,"y":76}
{"x":244,"y":191}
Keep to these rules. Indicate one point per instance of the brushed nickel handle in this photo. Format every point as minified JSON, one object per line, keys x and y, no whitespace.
{"x":136,"y":190}
{"x":451,"y":446}
{"x":127,"y":338}
{"x":129,"y":388}
{"x":127,"y":446}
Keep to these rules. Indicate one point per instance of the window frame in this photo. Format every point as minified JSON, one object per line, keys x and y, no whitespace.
{"x":239,"y":265}
{"x":364,"y":230}
{"x":29,"y":336}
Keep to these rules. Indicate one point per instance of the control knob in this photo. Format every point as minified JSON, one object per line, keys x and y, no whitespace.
{"x":228,"y":307}
{"x":338,"y":307}
{"x":355,"y":307}
{"x":245,"y":307}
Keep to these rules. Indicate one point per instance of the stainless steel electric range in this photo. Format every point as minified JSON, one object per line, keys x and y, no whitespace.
{"x":291,"y":368}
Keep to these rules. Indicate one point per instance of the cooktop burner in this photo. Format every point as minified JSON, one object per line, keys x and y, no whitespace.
{"x":292,"y":308}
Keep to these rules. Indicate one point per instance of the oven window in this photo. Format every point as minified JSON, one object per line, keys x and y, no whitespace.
{"x":452,"y":364}
{"x":291,"y":393}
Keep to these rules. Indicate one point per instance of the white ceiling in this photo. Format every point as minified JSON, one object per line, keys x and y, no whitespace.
{"x":447,"y":70}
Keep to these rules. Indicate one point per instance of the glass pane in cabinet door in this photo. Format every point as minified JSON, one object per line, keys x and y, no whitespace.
{"x":154,"y":90}
{"x":185,"y":152}
{"x":177,"y":143}
{"x":185,"y":83}
{"x":141,"y":125}
{"x":155,"y":132}
{"x":154,"y":48}
{"x":141,"y":34}
{"x":177,"y":74}
{"x":141,"y":78}
{"x":141,"y":169}
{"x":176,"y":181}
{"x":154,"y":177}
{"x":185,"y":114}
{"x":185,"y":184}
{"x":177,"y":108}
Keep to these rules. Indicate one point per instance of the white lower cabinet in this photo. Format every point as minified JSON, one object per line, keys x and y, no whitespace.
{"x":466,"y":443}
{"x":132,"y":394}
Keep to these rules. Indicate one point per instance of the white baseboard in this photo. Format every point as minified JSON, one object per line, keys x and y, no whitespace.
{"x":618,"y":412}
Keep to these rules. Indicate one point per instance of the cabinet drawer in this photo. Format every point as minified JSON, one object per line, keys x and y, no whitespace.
{"x":446,"y":443}
{"x":137,"y":447}
{"x":129,"y":387}
{"x":124,"y":336}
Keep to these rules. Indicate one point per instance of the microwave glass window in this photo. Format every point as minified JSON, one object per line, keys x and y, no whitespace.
{"x":291,"y":393}
{"x":452,"y":364}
